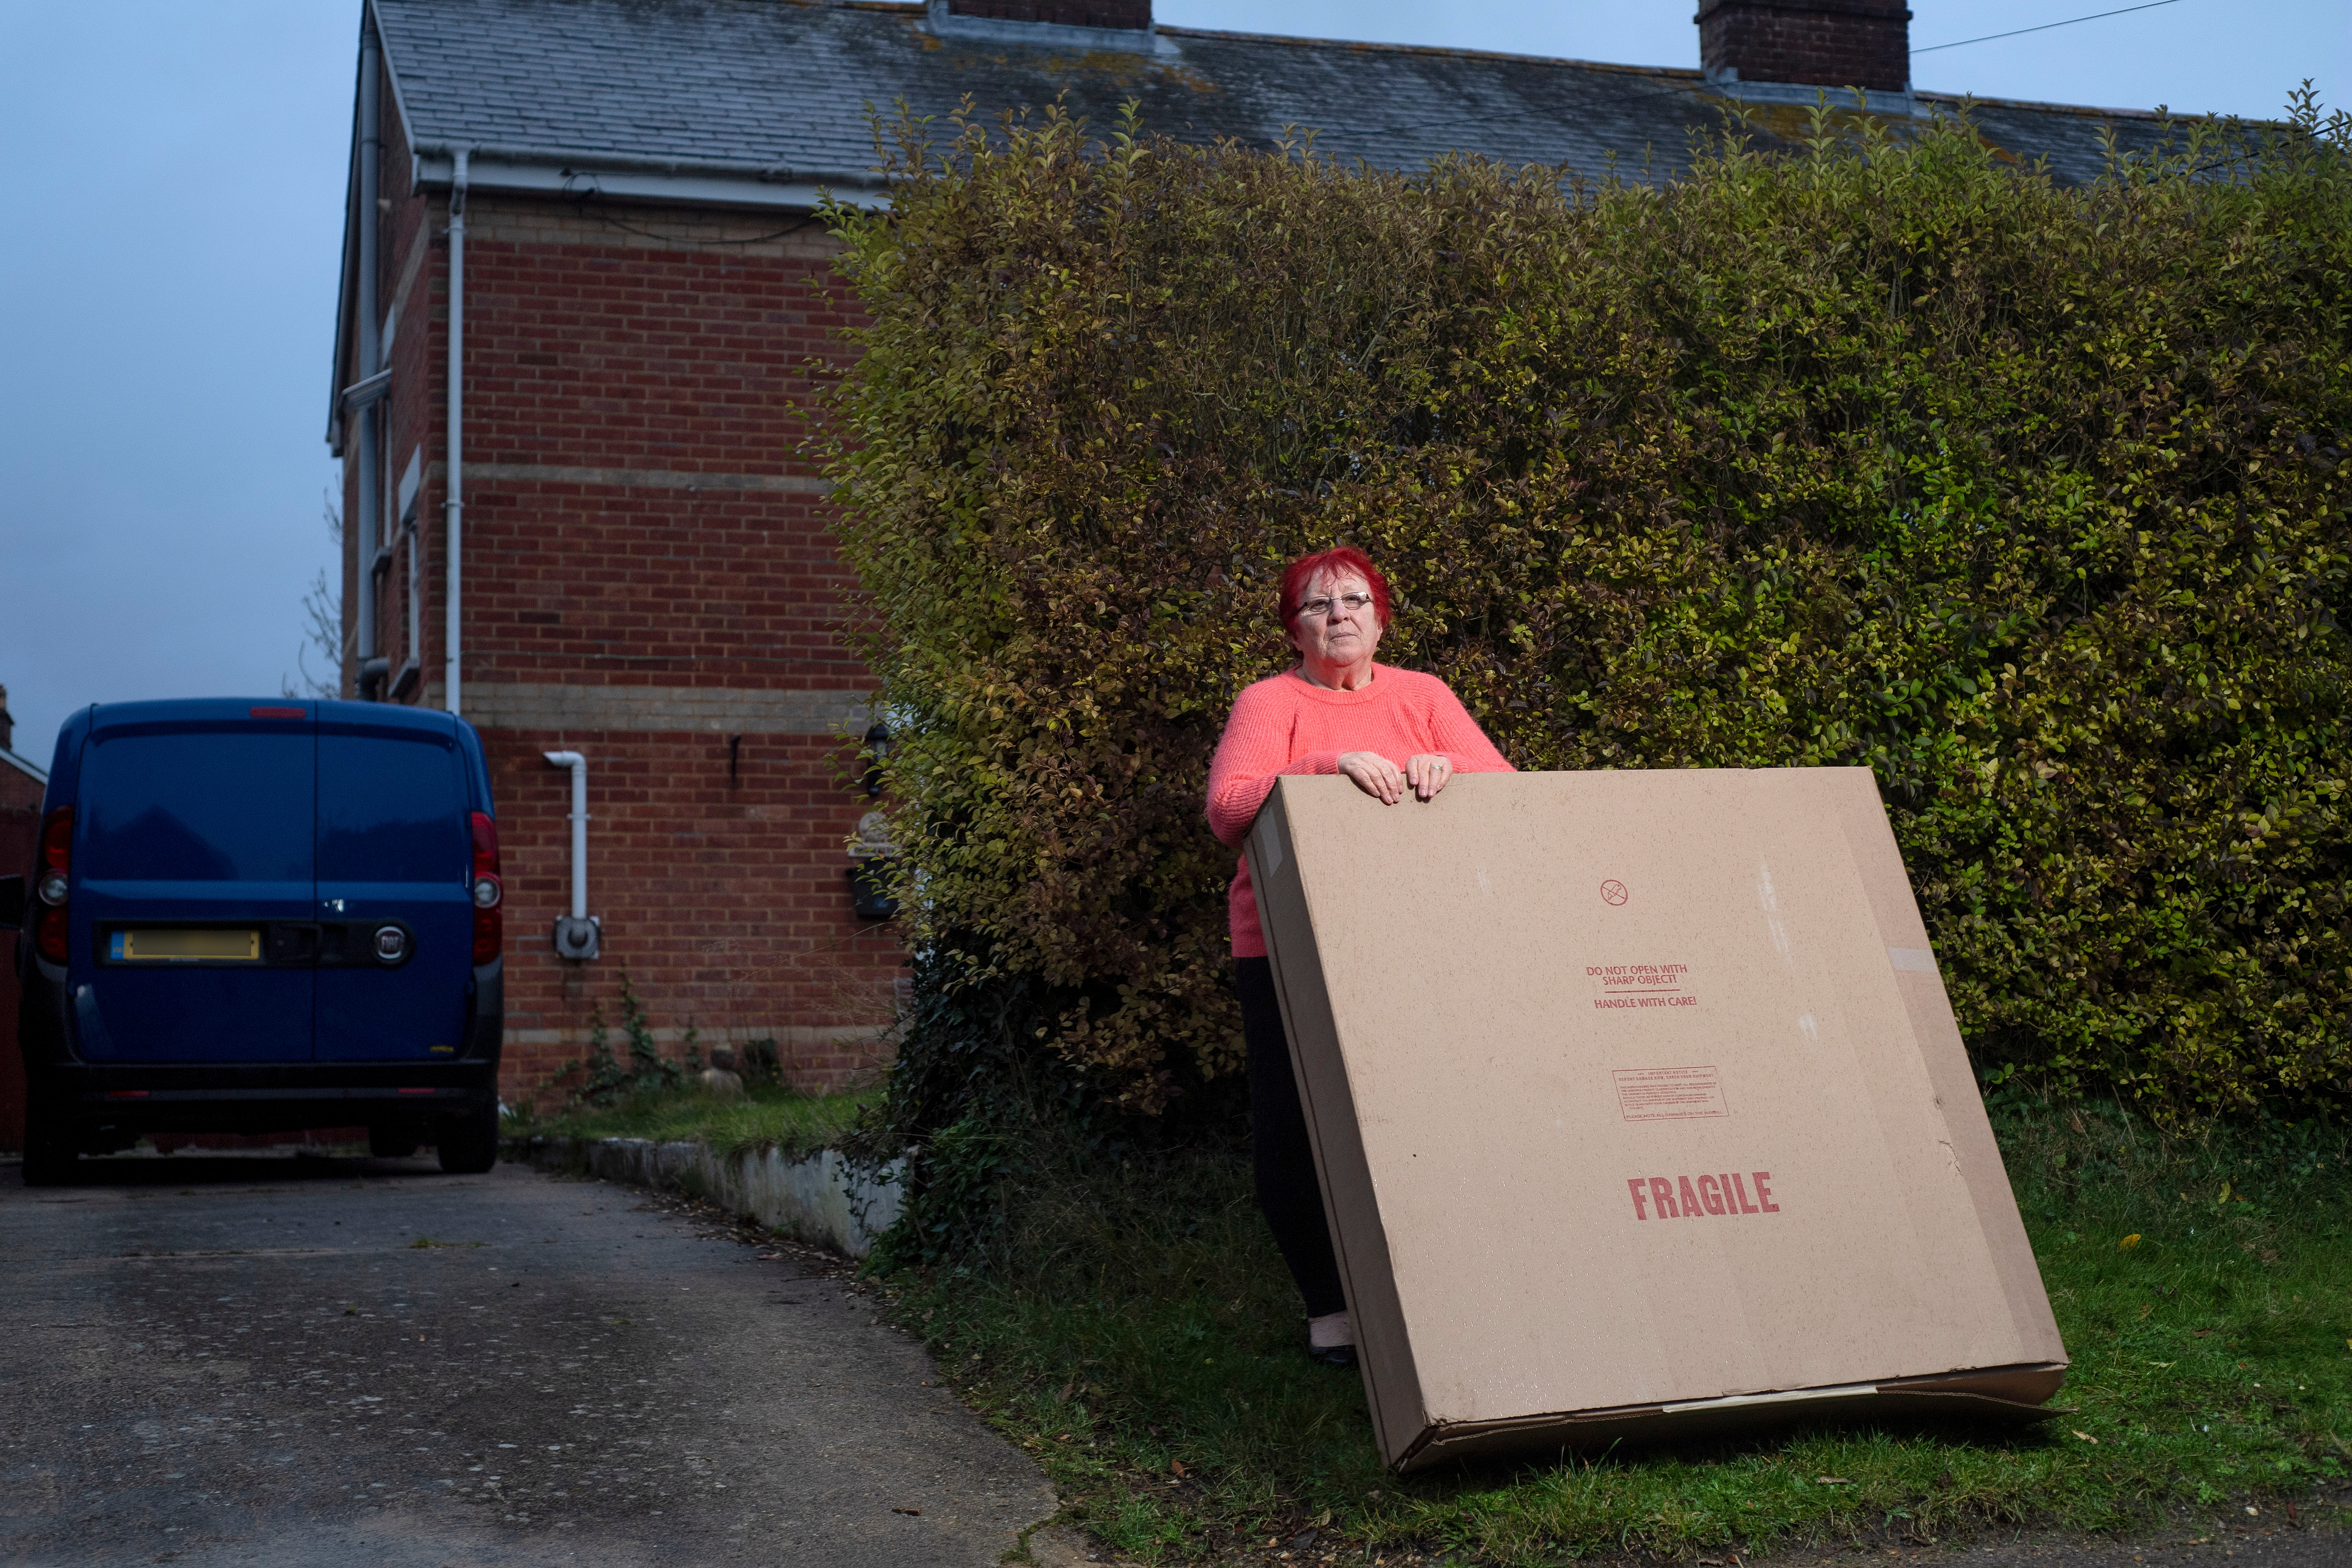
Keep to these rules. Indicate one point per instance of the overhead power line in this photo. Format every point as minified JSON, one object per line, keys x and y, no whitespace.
{"x":2045,"y":27}
{"x":1988,"y":38}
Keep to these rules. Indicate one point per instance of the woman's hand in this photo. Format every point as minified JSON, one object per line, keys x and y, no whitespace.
{"x":1427,"y":773}
{"x":1374,"y":774}
{"x":1377,"y":776}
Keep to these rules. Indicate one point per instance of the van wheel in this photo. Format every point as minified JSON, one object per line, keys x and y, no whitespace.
{"x":48,"y":1157}
{"x":470,"y":1140}
{"x":393,"y":1142}
{"x":47,"y":1164}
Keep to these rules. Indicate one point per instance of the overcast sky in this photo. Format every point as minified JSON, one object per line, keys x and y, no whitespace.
{"x":173,"y":182}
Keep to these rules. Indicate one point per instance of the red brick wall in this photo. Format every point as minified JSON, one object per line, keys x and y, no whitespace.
{"x":20,"y":830}
{"x":590,"y":344}
{"x":605,"y":585}
{"x":1818,"y":43}
{"x":725,"y":901}
{"x":416,"y":249}
{"x":635,"y":518}
{"x":20,"y":810}
{"x":586,"y":355}
{"x":413,"y":256}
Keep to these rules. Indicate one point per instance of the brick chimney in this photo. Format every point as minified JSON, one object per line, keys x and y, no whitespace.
{"x":1813,"y":43}
{"x":7,"y":724}
{"x":1129,"y":15}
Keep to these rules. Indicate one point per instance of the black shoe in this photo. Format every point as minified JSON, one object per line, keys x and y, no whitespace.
{"x":1333,"y":1356}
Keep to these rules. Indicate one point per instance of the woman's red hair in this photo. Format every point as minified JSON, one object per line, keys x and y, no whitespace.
{"x":1345,"y":558}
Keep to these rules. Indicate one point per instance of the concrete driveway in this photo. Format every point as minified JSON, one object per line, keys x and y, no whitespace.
{"x":266,"y":1359}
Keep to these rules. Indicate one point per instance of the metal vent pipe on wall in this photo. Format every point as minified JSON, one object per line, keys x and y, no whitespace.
{"x":576,"y":934}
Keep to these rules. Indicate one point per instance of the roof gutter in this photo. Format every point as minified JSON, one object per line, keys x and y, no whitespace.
{"x":571,"y":172}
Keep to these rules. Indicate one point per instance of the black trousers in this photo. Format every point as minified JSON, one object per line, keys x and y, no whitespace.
{"x":1287,"y":1187}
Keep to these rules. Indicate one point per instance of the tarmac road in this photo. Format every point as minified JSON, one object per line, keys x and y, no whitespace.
{"x":267,"y":1359}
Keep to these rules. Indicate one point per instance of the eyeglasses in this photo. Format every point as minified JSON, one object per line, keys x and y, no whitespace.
{"x":1353,"y":604}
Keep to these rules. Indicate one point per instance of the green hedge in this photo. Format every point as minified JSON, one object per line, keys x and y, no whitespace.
{"x":2027,"y":497}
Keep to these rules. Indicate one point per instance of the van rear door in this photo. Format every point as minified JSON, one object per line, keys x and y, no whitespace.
{"x":395,"y":860}
{"x":194,"y":845}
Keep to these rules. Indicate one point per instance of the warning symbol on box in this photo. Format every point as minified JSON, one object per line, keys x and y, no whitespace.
{"x":1669,"y":1094}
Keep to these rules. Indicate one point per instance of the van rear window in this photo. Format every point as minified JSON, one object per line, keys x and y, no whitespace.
{"x":221,"y":805}
{"x":391,"y":808}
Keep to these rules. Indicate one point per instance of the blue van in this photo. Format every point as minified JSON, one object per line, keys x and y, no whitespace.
{"x":256,"y":916}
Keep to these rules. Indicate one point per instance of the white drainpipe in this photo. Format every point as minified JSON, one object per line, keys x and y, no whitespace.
{"x":455,"y":507}
{"x":371,"y":431}
{"x":576,"y":935}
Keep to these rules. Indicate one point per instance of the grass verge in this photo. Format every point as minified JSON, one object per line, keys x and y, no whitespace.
{"x":764,"y":1116}
{"x":1142,"y":1340}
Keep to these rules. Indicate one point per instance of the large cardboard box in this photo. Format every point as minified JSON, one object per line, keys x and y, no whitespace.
{"x":1641,"y":1111}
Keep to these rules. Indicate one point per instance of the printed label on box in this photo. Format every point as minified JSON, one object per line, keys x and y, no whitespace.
{"x":1669,"y":1094}
{"x":1623,"y":988}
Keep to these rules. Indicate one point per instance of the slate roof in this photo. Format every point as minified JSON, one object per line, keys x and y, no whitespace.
{"x":785,"y":87}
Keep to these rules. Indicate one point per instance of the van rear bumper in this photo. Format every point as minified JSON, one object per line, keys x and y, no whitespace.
{"x":349,"y":1094}
{"x":134,"y":1098}
{"x":116,"y":1102}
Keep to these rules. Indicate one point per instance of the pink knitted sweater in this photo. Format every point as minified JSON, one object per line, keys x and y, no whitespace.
{"x":1289,"y":725}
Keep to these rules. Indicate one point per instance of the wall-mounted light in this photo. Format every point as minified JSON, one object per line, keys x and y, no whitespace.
{"x":869,"y":869}
{"x":878,"y":746}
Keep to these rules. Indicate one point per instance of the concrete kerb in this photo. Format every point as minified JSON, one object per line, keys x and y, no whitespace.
{"x":813,"y":1198}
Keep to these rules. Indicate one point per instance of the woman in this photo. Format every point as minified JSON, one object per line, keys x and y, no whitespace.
{"x":1395,"y":733}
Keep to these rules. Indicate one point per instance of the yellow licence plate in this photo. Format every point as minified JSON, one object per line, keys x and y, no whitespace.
{"x":186,"y":947}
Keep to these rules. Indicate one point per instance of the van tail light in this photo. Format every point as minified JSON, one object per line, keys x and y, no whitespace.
{"x":52,"y":881}
{"x":49,"y":936}
{"x":57,"y":839}
{"x":490,"y":889}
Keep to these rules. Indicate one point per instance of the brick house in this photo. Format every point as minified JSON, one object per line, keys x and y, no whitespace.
{"x":606,"y":206}
{"x":22,"y":783}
